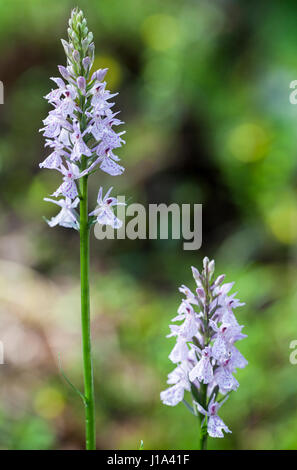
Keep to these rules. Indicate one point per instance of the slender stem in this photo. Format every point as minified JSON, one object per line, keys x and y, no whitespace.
{"x":203,"y":428}
{"x":85,"y":318}
{"x":203,"y":387}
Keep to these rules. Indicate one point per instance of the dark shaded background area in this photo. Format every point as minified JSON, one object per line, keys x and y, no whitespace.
{"x":204,"y":91}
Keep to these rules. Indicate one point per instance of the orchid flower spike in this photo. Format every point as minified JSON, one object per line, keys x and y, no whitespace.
{"x":205,"y":355}
{"x":79,"y":129}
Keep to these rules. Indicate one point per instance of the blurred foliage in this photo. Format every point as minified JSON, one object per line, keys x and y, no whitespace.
{"x":204,"y":90}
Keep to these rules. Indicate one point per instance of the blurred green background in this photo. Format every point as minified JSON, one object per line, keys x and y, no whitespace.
{"x":204,"y":91}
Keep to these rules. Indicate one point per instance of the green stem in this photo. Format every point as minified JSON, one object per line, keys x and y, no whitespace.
{"x":203,"y":387}
{"x":85,"y":319}
{"x":203,"y":429}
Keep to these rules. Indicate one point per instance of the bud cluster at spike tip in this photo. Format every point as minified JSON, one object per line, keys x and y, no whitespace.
{"x":204,"y":352}
{"x":79,"y":129}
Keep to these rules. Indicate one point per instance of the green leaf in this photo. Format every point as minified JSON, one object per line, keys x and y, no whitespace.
{"x":195,"y":392}
{"x":74,"y":388}
{"x":190,"y":408}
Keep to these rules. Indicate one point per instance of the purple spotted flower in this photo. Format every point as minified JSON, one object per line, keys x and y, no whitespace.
{"x":178,"y":379}
{"x":104,"y":212}
{"x":80,"y":128}
{"x":205,"y":355}
{"x":203,"y":370}
{"x":67,"y":217}
{"x":215,"y":425}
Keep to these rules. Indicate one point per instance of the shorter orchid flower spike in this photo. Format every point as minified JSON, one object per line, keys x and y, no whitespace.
{"x":205,"y":347}
{"x":104,"y":212}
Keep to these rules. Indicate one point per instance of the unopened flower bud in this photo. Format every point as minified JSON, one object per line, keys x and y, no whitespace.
{"x":76,"y":56}
{"x":81,"y":83}
{"x":99,"y":74}
{"x":211,"y":268}
{"x":219,"y":280}
{"x":91,"y":51}
{"x":200,"y":293}
{"x":64,"y":72}
{"x":70,"y":70}
{"x":205,"y":262}
{"x":86,"y":63}
{"x":85,"y":45}
{"x":197,"y":276}
{"x":66,"y":47}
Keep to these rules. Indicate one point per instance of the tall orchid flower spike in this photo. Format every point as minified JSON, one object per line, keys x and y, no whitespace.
{"x":204,"y":354}
{"x":79,"y":133}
